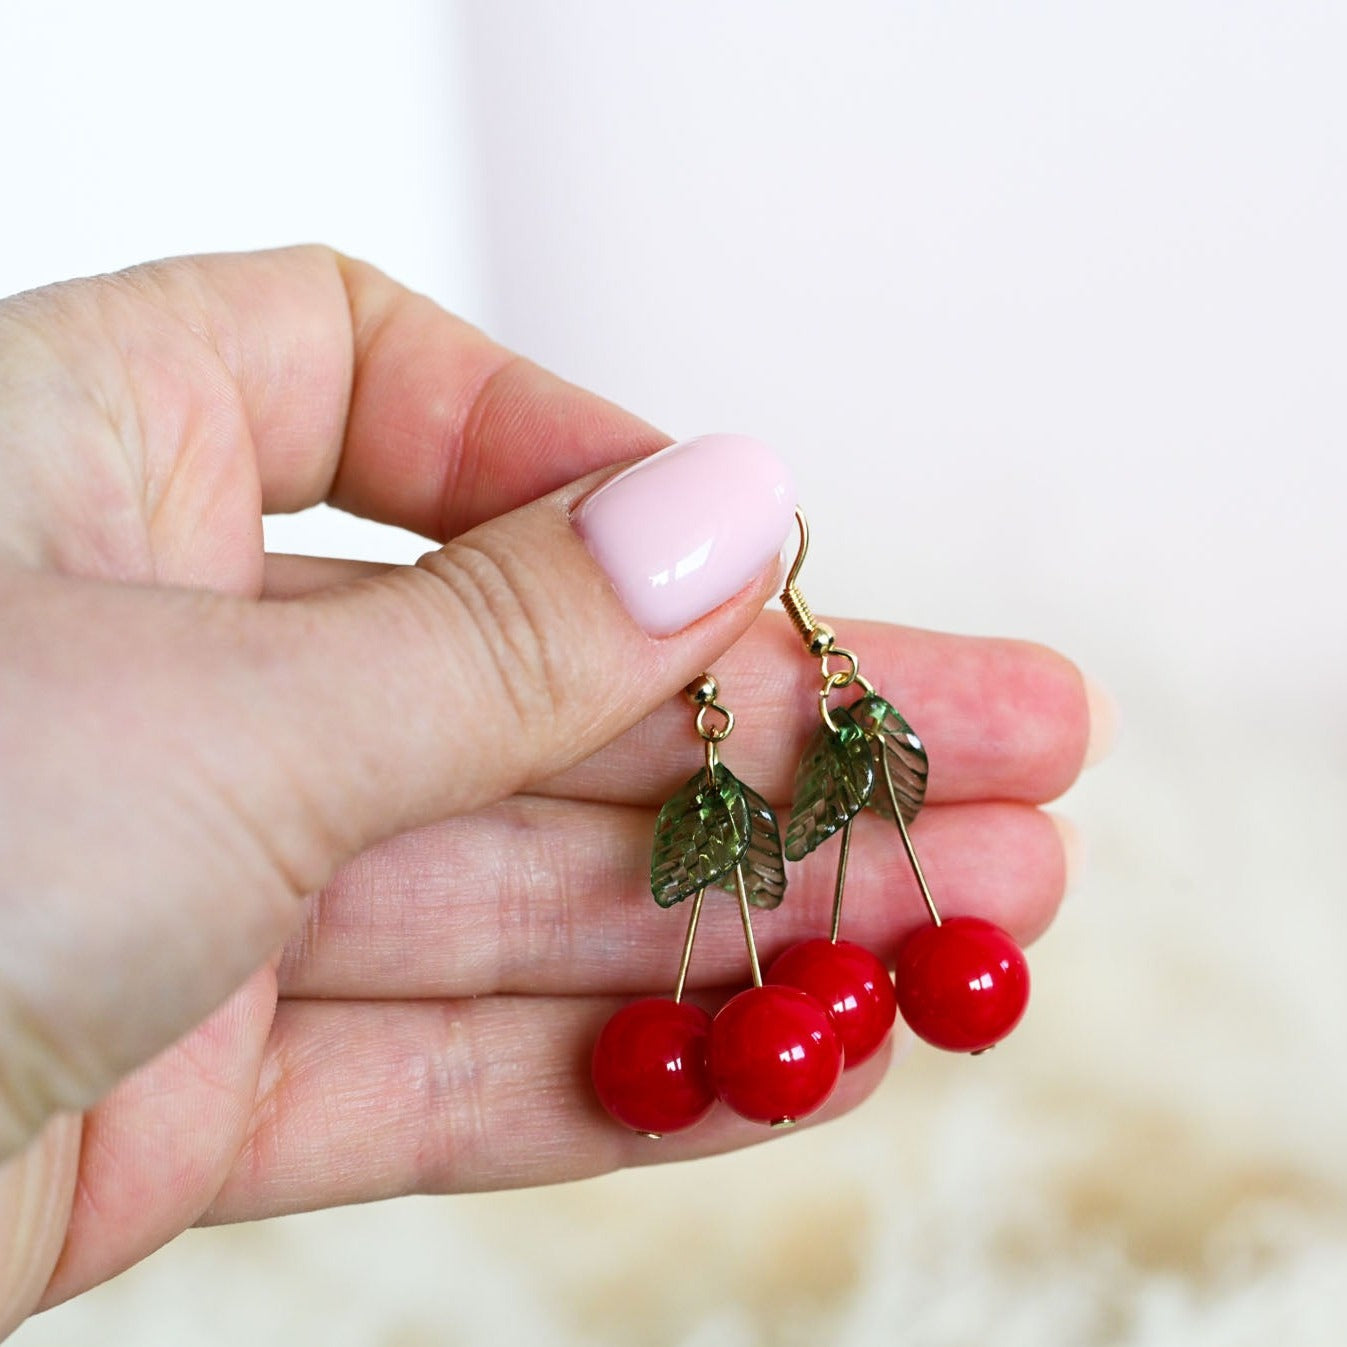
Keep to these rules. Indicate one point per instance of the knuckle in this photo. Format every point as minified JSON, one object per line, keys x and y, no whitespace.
{"x":503,"y":609}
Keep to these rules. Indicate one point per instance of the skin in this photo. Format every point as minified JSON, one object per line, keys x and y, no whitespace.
{"x":317,"y":879}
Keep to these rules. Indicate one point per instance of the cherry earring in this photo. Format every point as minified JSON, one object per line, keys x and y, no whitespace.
{"x":770,"y":1053}
{"x":961,"y":983}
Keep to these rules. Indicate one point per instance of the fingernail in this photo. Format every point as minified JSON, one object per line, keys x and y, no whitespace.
{"x":1073,"y":849}
{"x":1103,"y":722}
{"x":687,"y":528}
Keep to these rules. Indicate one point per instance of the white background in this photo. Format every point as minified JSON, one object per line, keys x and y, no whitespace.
{"x":1044,"y":302}
{"x":1056,"y":290}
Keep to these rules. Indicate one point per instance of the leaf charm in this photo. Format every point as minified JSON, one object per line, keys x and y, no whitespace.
{"x":764,"y":865}
{"x":700,"y":836}
{"x":892,"y":741}
{"x":835,"y":779}
{"x":707,"y":831}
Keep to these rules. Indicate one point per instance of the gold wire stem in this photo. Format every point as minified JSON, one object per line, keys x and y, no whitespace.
{"x":712,"y":760}
{"x":748,"y":925}
{"x":841,"y":880}
{"x":907,"y":843}
{"x":686,"y":960}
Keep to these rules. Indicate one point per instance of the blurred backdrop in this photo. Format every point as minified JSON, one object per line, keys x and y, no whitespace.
{"x":1045,"y":304}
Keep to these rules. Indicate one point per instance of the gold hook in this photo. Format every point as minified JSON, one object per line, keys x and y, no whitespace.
{"x":818,"y":637}
{"x":803,"y":550}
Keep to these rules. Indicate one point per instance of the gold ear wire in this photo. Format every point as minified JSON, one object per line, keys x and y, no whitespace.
{"x":818,"y":637}
{"x":803,"y":550}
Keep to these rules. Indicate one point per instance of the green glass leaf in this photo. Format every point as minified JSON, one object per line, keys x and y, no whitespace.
{"x":700,"y":836}
{"x":894,"y":744}
{"x":835,"y":779}
{"x":764,"y":864}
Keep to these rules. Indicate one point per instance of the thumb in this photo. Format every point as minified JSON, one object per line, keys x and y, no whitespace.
{"x":187,"y":765}
{"x":529,"y":642}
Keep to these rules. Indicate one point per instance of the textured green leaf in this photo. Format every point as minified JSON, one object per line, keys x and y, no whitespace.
{"x":700,"y":836}
{"x":764,"y":864}
{"x":893,"y":743}
{"x":835,"y":779}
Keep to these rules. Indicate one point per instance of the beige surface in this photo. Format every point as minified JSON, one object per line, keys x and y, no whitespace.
{"x":1155,"y":1158}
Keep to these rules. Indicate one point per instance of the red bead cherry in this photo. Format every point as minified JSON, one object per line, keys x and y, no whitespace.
{"x":962,"y":985}
{"x":850,"y":983}
{"x":649,"y":1066}
{"x":774,"y":1055}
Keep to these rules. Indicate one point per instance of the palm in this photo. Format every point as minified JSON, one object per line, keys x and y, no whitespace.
{"x":426,"y":1025}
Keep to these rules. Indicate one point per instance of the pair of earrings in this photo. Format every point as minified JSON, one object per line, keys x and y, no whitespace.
{"x":775,"y":1052}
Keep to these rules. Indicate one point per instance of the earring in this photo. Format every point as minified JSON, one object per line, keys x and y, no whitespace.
{"x":770,"y":1053}
{"x":961,"y":983}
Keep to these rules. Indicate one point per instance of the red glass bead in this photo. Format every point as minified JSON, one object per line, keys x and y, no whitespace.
{"x":649,"y":1066}
{"x":962,"y":985}
{"x":850,"y":983}
{"x":774,"y":1055}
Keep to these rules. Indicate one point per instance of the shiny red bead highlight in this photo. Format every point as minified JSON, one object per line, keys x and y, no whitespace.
{"x":774,"y":1055}
{"x":962,"y":985}
{"x":850,"y":983}
{"x":649,"y":1066}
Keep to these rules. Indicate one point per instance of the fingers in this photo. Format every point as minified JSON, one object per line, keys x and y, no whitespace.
{"x":257,"y":746}
{"x":543,"y":896}
{"x":500,"y":660}
{"x":446,"y":429}
{"x":1000,"y":719}
{"x":338,"y":382}
{"x":512,"y":659}
{"x":361,"y":1101}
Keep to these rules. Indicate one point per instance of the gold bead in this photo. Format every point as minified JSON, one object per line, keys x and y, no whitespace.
{"x":821,"y":639}
{"x":703,"y":690}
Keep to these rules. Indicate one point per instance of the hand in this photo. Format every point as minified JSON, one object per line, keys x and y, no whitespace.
{"x":460,"y":759}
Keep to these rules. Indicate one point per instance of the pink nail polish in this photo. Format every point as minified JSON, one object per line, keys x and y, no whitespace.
{"x":687,"y":528}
